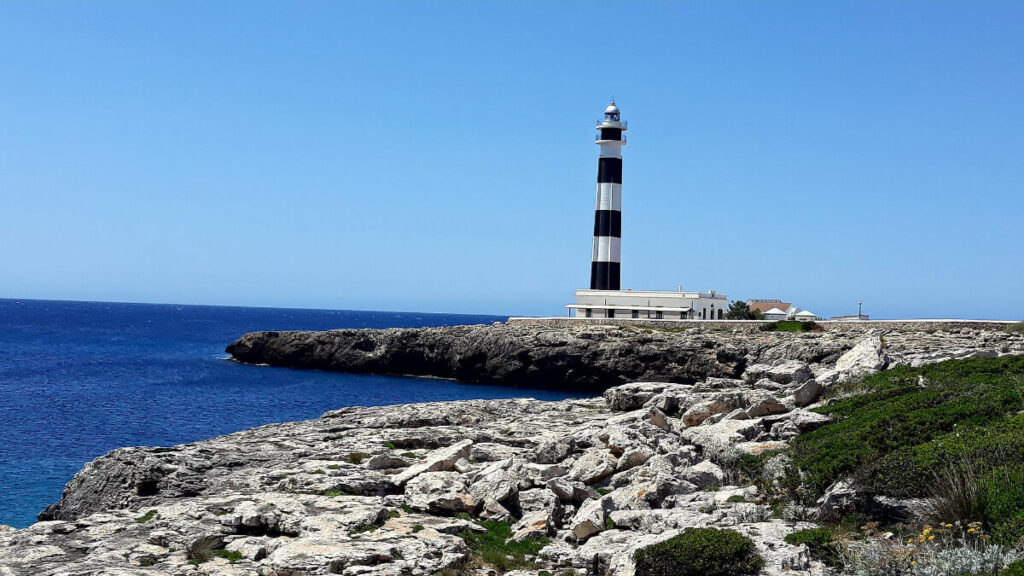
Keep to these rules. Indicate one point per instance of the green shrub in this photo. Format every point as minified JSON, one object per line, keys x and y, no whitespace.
{"x":735,"y":498}
{"x":905,"y":423}
{"x":700,"y":552}
{"x":1015,"y":569}
{"x":821,"y":544}
{"x":495,"y":549}
{"x":1004,"y":504}
{"x":389,"y":445}
{"x":789,"y":326}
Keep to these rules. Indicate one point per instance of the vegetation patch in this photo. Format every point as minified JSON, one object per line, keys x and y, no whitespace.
{"x":357,"y":457}
{"x":790,"y":326}
{"x":1016,"y":328}
{"x":229,"y":555}
{"x":495,"y":549}
{"x":147,"y":517}
{"x":700,"y":552}
{"x":821,"y":544}
{"x":902,"y":425}
{"x":1015,"y":569}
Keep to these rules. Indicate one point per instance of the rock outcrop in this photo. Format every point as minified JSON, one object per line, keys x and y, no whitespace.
{"x":388,"y":490}
{"x":598,"y":357}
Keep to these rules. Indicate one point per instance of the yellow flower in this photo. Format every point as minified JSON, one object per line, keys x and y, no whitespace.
{"x":971,"y":530}
{"x":931,"y":538}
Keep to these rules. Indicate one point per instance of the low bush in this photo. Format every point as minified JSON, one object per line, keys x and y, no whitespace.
{"x":1015,"y":569}
{"x":1017,"y":328}
{"x":1003,"y":516}
{"x":821,"y":544}
{"x":905,"y":423}
{"x":700,"y":552}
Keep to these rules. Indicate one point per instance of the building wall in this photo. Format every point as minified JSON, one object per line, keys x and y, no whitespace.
{"x":754,"y":325}
{"x":702,"y":303}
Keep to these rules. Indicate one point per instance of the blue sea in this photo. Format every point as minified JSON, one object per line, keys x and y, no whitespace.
{"x":78,"y":379}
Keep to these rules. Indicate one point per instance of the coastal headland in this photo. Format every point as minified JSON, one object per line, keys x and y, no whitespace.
{"x":701,"y":428}
{"x":597,"y":354}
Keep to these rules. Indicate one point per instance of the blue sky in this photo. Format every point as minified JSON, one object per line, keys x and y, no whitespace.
{"x":440,"y":157}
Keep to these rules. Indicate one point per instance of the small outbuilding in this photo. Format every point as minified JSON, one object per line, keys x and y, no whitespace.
{"x":805,"y":316}
{"x":775,"y":314}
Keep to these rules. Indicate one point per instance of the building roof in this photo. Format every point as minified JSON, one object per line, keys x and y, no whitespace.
{"x":765,"y":306}
{"x":612,"y":108}
{"x":806,"y":313}
{"x":775,"y":311}
{"x":625,"y":307}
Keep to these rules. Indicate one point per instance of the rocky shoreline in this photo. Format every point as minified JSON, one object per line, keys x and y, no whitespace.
{"x":596,"y":357}
{"x":394,"y":490}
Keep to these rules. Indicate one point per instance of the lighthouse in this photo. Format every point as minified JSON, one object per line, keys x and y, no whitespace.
{"x":606,"y":259}
{"x":605,"y":299}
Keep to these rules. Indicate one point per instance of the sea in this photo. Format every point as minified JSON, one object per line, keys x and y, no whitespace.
{"x":78,"y":379}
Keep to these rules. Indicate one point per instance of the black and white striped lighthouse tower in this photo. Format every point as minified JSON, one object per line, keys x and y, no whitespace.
{"x":604,"y":265}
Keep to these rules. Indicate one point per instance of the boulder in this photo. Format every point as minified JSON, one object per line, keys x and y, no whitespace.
{"x":864,"y":359}
{"x":386,"y":461}
{"x":570,"y":492}
{"x":439,"y":493}
{"x":762,"y":403}
{"x":807,"y":393}
{"x":591,"y":518}
{"x":442,"y":459}
{"x":718,"y":404}
{"x":632,"y":396}
{"x":704,"y":474}
{"x":593,"y":466}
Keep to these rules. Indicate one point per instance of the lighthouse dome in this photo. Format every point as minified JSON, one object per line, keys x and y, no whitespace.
{"x":612,"y":108}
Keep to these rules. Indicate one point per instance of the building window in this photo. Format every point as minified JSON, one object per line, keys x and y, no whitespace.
{"x":636,"y":313}
{"x":658,"y":315}
{"x":588,"y":312}
{"x":611,"y":313}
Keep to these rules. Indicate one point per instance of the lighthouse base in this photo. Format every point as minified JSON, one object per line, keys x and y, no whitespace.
{"x":649,"y":304}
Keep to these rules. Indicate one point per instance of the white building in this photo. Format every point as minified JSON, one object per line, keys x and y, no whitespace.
{"x":652,"y":304}
{"x":776,"y":314}
{"x":805,"y":316}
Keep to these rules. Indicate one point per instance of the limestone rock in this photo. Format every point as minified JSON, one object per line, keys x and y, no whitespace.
{"x":807,"y":393}
{"x":442,"y":459}
{"x":864,"y":359}
{"x":439,"y":492}
{"x":704,"y":474}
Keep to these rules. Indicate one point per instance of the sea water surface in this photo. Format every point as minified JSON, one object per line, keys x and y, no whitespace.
{"x":78,"y":379}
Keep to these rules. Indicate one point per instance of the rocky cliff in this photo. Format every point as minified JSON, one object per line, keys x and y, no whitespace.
{"x":395,"y":490}
{"x":591,"y":357}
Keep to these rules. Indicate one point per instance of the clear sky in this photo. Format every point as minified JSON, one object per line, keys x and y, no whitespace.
{"x":440,"y":157}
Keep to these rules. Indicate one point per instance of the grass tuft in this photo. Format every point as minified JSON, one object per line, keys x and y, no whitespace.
{"x":147,"y":517}
{"x":495,"y":549}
